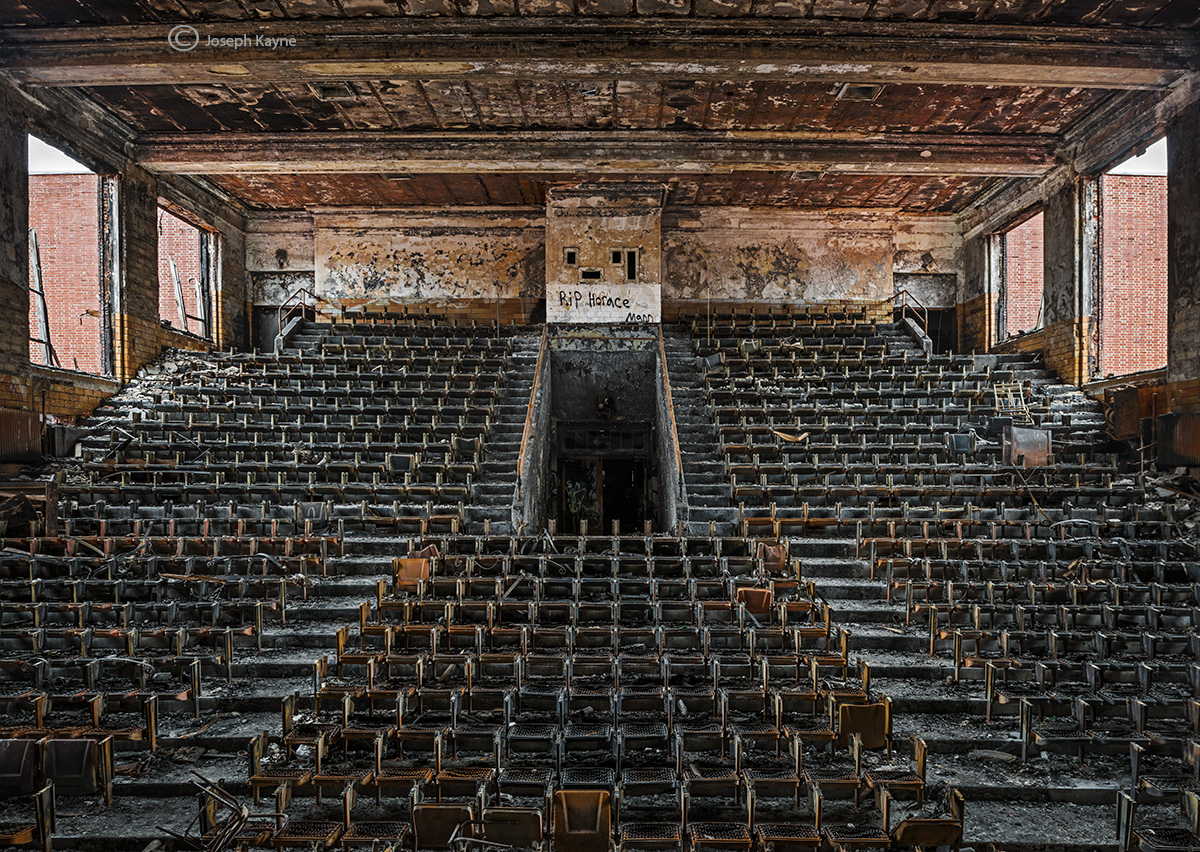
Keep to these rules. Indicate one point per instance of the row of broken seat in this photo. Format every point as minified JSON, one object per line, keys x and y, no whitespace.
{"x":35,"y":772}
{"x":376,"y":422}
{"x":442,"y":498}
{"x":378,"y":450}
{"x":470,"y":791}
{"x":730,"y":326}
{"x":917,"y":577}
{"x":418,"y":505}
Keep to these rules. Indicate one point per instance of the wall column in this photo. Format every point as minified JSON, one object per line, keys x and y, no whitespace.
{"x":974,"y":320}
{"x":136,"y":329}
{"x":1183,"y":246}
{"x":14,"y":244}
{"x":1069,"y":224}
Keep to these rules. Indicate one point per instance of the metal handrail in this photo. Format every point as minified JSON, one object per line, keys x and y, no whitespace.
{"x":281,"y":313}
{"x":905,"y":302}
{"x":537,"y":382}
{"x":666,"y":380}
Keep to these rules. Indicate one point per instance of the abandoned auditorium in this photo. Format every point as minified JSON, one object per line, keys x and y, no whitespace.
{"x":600,"y":425}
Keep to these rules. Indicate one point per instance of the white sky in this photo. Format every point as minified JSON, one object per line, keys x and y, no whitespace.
{"x":1153,"y":162}
{"x":47,"y":160}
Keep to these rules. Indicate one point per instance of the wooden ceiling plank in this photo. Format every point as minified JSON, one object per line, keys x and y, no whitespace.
{"x":854,"y":10}
{"x":781,"y":8}
{"x":684,"y":103}
{"x":901,"y":10}
{"x":366,"y":111}
{"x":721,"y":8}
{"x":1094,"y":57}
{"x":406,"y":103}
{"x":547,"y":105}
{"x":609,"y":151}
{"x":318,"y":111}
{"x":311,"y":8}
{"x":498,"y":103}
{"x":1179,"y":13}
{"x":363,"y":8}
{"x":133,"y":108}
{"x":281,"y":112}
{"x":730,"y":106}
{"x":591,"y":102}
{"x":636,"y":104}
{"x":663,"y":7}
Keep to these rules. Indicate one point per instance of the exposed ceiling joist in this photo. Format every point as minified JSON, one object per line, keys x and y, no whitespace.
{"x":594,"y":153}
{"x":556,"y":49}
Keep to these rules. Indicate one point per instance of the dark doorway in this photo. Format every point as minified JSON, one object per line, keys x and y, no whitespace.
{"x":624,"y":493}
{"x":603,"y":476}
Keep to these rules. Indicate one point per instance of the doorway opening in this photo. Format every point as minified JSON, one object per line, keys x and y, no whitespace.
{"x":604,"y":470}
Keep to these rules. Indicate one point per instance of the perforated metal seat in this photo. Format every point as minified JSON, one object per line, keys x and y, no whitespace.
{"x":650,"y":835}
{"x":586,"y":776}
{"x":719,"y":835}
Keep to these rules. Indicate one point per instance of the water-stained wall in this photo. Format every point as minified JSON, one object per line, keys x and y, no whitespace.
{"x":732,"y":254}
{"x":721,"y":253}
{"x":421,"y":257}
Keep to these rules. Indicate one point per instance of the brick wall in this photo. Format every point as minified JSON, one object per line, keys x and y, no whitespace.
{"x":1133,"y":324}
{"x":1133,"y":315}
{"x":1063,"y":345}
{"x":972,"y":322}
{"x":181,"y":241}
{"x":1024,"y":275}
{"x":60,"y":397}
{"x":65,"y":212}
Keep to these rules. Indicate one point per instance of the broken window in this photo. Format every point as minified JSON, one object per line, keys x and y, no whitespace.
{"x":185,"y":253}
{"x":571,"y":256}
{"x":70,"y":261}
{"x":627,"y":259}
{"x":1131,"y":306}
{"x":1022,"y":278}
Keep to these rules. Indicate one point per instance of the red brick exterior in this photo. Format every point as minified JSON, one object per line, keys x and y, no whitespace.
{"x":181,"y":241}
{"x":1133,"y":312}
{"x":1024,"y":276}
{"x":65,"y":212}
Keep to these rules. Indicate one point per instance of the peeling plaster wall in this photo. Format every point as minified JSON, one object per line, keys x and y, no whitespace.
{"x":594,"y":220}
{"x":929,"y":259}
{"x":418,"y":257}
{"x":1061,"y":256}
{"x":279,"y":255}
{"x":421,"y":255}
{"x":737,"y":254}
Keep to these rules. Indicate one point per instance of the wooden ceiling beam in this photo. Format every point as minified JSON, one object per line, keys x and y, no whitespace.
{"x":595,"y":153}
{"x":641,"y":49}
